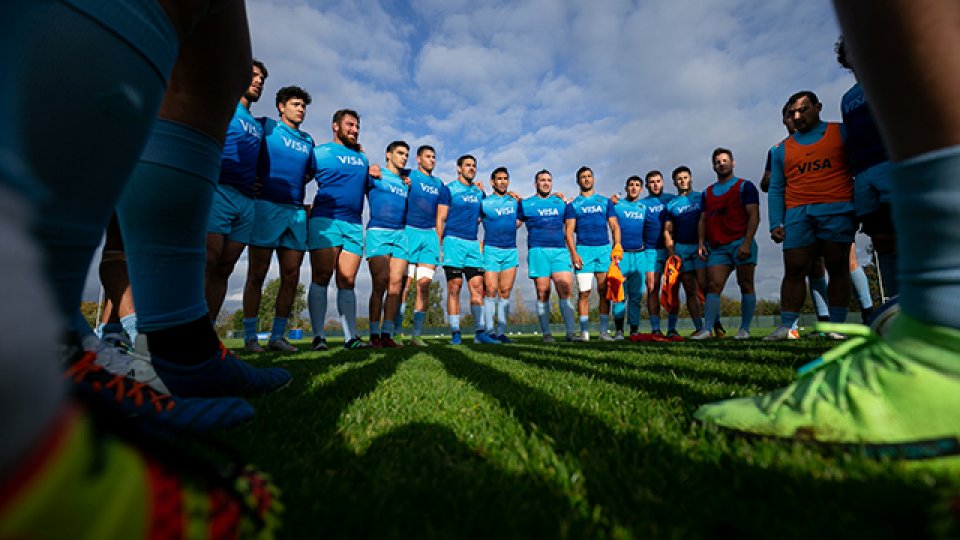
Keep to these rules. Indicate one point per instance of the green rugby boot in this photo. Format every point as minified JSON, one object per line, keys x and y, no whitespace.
{"x":897,"y":396}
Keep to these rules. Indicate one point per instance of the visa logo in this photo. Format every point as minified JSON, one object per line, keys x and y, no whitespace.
{"x":814,"y":165}
{"x":592,"y":209}
{"x":633,"y":215}
{"x":504,"y":211}
{"x":250,"y":129}
{"x":397,"y":190}
{"x":350,"y":160}
{"x":427,"y":188}
{"x":299,"y":146}
{"x":548,"y":212}
{"x":469,"y":199}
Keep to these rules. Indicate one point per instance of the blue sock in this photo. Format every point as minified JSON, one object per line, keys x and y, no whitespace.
{"x":476,"y":311}
{"x":386,"y":328}
{"x":748,"y":305}
{"x":888,"y":273}
{"x":711,"y":309}
{"x":566,"y":311}
{"x":584,"y":322}
{"x":109,"y":328}
{"x":130,"y":326}
{"x":347,"y":307}
{"x":838,"y":314}
{"x":859,"y":279}
{"x":489,"y":311}
{"x":698,"y":323}
{"x":543,"y":317}
{"x":672,"y":322}
{"x":788,"y":318}
{"x":503,"y":314}
{"x":818,"y":295}
{"x":418,"y":318}
{"x":163,"y":216}
{"x":249,"y":328}
{"x":317,"y":306}
{"x":796,"y":324}
{"x":398,"y":321}
{"x":279,"y":328}
{"x":604,"y":323}
{"x":654,"y":323}
{"x":374,"y":328}
{"x":454,"y":323}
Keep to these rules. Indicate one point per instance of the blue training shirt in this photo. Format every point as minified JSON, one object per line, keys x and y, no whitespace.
{"x":500,"y":214}
{"x":631,"y":215}
{"x":241,"y":148}
{"x":591,"y":214}
{"x":464,"y":203}
{"x":544,"y":219}
{"x":341,"y":183}
{"x":653,"y":225}
{"x":422,"y":200}
{"x":863,"y":143}
{"x":388,"y":201}
{"x":684,"y":211}
{"x":286,"y":163}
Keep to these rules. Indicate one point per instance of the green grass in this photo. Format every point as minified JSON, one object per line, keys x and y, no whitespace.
{"x":566,"y":440}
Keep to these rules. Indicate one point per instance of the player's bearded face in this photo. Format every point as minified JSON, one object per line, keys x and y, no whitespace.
{"x":256,"y":86}
{"x":655,"y":185}
{"x":348,"y":130}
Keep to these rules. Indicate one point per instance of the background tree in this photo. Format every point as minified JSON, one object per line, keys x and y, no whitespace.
{"x":268,"y":306}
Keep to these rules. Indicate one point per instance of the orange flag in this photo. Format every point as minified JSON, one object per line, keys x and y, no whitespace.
{"x":614,"y":283}
{"x":669,"y":298}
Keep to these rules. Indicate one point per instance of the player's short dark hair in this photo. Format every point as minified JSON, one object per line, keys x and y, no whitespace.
{"x":465,"y":157}
{"x":287,"y":93}
{"x":263,"y":69}
{"x":652,"y":174}
{"x":783,"y":111}
{"x":500,"y":170}
{"x":424,"y":148}
{"x":803,"y":94}
{"x":397,"y":144}
{"x":680,"y":169}
{"x":542,"y":171}
{"x":720,"y":150}
{"x":633,"y":178}
{"x":841,"y":50}
{"x":338,"y":116}
{"x":582,"y":170}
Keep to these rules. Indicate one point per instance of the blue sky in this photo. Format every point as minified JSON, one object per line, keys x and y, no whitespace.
{"x":621,"y":86}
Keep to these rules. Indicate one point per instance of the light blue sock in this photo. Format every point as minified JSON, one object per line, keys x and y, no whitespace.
{"x":748,"y":306}
{"x":788,"y":318}
{"x":838,"y":314}
{"x":888,"y":273}
{"x":279,"y":328}
{"x":347,"y":307}
{"x":489,"y":312}
{"x":818,"y":295}
{"x":503,"y":315}
{"x":130,"y":326}
{"x":795,"y":325}
{"x":566,"y":311}
{"x":711,"y":309}
{"x":584,"y":323}
{"x":543,"y":317}
{"x":859,"y":279}
{"x":317,"y":306}
{"x":374,"y":328}
{"x":249,"y":328}
{"x":698,"y":323}
{"x":454,"y":323}
{"x":418,"y":318}
{"x":672,"y":322}
{"x":386,"y":328}
{"x":163,"y":216}
{"x":398,"y":320}
{"x":478,"y":323}
{"x":654,"y":323}
{"x":604,"y":323}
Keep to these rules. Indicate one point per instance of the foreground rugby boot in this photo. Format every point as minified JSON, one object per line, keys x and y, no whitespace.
{"x":485,"y":339}
{"x":701,"y":335}
{"x":81,"y":481}
{"x":387,"y":342}
{"x":281,"y":345}
{"x":252,"y":346}
{"x":782,"y":333}
{"x":223,"y":374}
{"x":319,"y":344}
{"x":673,"y":335}
{"x":118,"y":356}
{"x":895,"y":396}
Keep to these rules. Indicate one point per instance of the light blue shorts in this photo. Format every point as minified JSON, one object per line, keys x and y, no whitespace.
{"x":232,"y":214}
{"x":499,"y":259}
{"x":385,"y":242}
{"x":460,"y":253}
{"x":546,"y":261}
{"x":726,"y":254}
{"x":871,"y":188}
{"x":327,"y":233}
{"x":689,"y":259}
{"x":423,"y":245}
{"x":634,"y":263}
{"x":833,"y":222}
{"x":278,"y":225}
{"x":656,"y":259}
{"x":595,"y":258}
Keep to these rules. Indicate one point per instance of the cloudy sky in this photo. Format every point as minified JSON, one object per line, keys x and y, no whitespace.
{"x":621,"y":86}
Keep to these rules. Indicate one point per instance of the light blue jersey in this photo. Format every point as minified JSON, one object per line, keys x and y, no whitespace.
{"x":241,"y":148}
{"x":341,"y":183}
{"x":653,"y":225}
{"x":544,"y":219}
{"x":591,"y":214}
{"x":631,"y":215}
{"x":422,"y":200}
{"x":684,"y":211}
{"x":500,"y":214}
{"x":286,"y":163}
{"x":388,"y":201}
{"x":464,"y":203}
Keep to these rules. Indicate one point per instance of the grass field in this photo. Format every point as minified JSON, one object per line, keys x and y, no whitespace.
{"x":566,"y":440}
